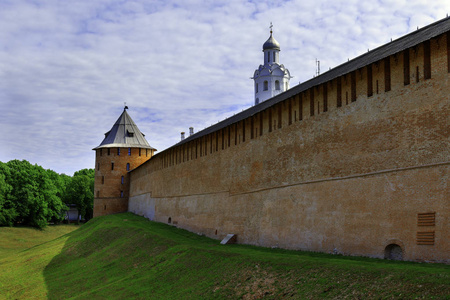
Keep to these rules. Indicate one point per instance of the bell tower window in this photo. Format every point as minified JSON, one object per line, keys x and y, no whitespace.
{"x":266,"y":85}
{"x":277,"y":85}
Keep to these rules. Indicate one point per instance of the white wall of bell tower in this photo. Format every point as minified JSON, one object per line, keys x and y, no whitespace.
{"x":271,"y":78}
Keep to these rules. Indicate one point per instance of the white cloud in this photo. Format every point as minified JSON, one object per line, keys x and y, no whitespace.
{"x":66,"y":68}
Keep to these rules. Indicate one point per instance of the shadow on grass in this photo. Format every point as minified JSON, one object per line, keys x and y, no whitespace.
{"x":127,"y":256}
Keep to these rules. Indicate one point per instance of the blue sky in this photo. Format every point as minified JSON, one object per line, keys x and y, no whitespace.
{"x":67,"y":67}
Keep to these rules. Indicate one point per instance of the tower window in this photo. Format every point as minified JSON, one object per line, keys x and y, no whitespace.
{"x":122,"y":179}
{"x":129,"y":151}
{"x":256,"y":88}
{"x":109,"y":151}
{"x":277,"y":85}
{"x":98,"y":166}
{"x":130,"y":133}
{"x":121,"y":194}
{"x":266,"y":85}
{"x":268,"y":56}
{"x":112,"y":166}
{"x":139,"y":151}
{"x":118,"y":151}
{"x":128,"y":166}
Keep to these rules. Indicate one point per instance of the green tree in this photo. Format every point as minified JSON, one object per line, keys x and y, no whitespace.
{"x":33,"y":194}
{"x":80,"y":191}
{"x":8,"y":211}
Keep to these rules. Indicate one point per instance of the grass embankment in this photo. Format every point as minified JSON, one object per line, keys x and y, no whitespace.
{"x":126,"y":256}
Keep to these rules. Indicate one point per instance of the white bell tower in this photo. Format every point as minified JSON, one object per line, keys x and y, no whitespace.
{"x":271,"y":78}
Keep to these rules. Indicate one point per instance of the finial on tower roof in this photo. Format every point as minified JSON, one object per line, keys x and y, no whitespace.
{"x":270,"y":27}
{"x":126,"y":107}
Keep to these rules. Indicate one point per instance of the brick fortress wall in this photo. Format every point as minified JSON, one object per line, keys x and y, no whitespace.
{"x":111,"y":177}
{"x":350,"y":166}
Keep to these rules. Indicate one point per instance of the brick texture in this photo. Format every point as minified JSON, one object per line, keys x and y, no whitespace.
{"x":351,"y":179}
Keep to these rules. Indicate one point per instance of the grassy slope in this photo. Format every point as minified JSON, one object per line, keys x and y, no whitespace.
{"x":126,"y":256}
{"x":22,"y":260}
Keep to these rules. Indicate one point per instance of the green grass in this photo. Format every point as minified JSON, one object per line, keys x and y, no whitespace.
{"x":125,"y":256}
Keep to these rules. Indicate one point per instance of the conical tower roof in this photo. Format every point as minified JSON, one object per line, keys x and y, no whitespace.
{"x":124,"y":134}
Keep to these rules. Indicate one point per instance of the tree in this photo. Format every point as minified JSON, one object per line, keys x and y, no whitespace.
{"x":8,"y":212}
{"x":32,"y":197}
{"x":80,"y":191}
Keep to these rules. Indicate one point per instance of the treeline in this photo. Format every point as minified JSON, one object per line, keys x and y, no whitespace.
{"x":31,"y":195}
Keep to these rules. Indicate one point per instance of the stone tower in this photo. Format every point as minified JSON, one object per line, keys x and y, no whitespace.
{"x":123,"y":149}
{"x":271,"y":78}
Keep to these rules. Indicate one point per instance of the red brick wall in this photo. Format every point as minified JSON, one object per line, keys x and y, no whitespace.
{"x":110,"y":193}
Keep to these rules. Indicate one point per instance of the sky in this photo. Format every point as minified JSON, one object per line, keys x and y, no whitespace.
{"x":68,"y":67}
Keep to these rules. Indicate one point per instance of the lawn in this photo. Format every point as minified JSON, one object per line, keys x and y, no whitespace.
{"x":125,"y":256}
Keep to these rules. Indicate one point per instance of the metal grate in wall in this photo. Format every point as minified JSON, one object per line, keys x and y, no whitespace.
{"x":425,"y":238}
{"x":426,"y":219}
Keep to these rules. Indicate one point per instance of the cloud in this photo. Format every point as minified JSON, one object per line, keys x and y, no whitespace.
{"x":66,"y":70}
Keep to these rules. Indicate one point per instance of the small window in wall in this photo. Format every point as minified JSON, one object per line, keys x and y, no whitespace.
{"x":121,"y":194}
{"x":112,"y":166}
{"x":146,"y":152}
{"x":169,"y":220}
{"x":103,"y":179}
{"x":338,"y":92}
{"x":122,"y":180}
{"x":101,"y":152}
{"x":256,"y":88}
{"x":129,"y":151}
{"x":387,"y":74}
{"x":353,"y":86}
{"x":448,"y":51}
{"x":109,"y":151}
{"x":369,"y":81}
{"x":139,"y":151}
{"x":426,"y":60}
{"x":266,"y":85}
{"x":277,"y":85}
{"x":98,"y":166}
{"x":406,"y":68}
{"x":128,"y":166}
{"x":268,"y":56}
{"x":118,"y":151}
